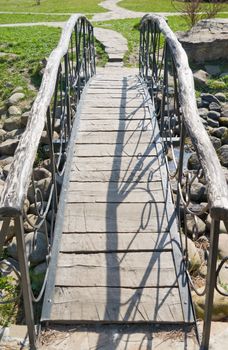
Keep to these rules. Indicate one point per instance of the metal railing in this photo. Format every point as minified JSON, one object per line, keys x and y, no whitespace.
{"x":37,"y":170}
{"x":164,"y":66}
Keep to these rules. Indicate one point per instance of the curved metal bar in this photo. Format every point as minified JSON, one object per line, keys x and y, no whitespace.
{"x":16,"y":185}
{"x":217,"y":188}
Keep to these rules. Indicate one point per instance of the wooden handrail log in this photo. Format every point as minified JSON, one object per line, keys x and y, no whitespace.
{"x":217,"y":186}
{"x":18,"y":179}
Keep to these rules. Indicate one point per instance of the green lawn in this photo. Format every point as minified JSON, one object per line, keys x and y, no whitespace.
{"x":52,"y":6}
{"x":152,"y":5}
{"x":31,"y":18}
{"x":25,"y":47}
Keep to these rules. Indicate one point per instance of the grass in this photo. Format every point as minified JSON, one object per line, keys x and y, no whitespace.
{"x":52,"y":6}
{"x":24,"y":48}
{"x":153,"y":5}
{"x":31,"y":18}
{"x":129,"y":29}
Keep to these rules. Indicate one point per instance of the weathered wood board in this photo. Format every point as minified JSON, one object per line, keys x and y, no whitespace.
{"x":108,"y":242}
{"x":111,"y":150}
{"x":149,"y":175}
{"x":115,"y":125}
{"x":120,"y":270}
{"x":104,"y":304}
{"x":114,"y":217}
{"x":122,"y":137}
{"x":112,"y":192}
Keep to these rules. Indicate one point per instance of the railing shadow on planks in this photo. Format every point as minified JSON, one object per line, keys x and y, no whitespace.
{"x":164,"y":66}
{"x":37,"y":170}
{"x":165,"y":70}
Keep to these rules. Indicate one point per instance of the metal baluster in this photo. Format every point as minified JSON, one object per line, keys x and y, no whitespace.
{"x":210,"y":283}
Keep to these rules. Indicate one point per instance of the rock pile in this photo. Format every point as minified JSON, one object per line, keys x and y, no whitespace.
{"x":13,"y":120}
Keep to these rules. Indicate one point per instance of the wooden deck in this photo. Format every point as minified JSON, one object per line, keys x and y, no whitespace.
{"x":117,"y":258}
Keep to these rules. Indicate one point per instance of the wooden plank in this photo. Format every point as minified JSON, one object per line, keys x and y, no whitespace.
{"x":111,"y":150}
{"x":140,"y":165}
{"x":100,"y":242}
{"x":128,"y":111}
{"x":104,"y":103}
{"x":112,"y":192}
{"x":116,"y":305}
{"x":149,"y":175}
{"x":115,"y":125}
{"x":115,"y":137}
{"x":120,"y":270}
{"x":114,"y":115}
{"x":111,"y":217}
{"x":113,"y":94}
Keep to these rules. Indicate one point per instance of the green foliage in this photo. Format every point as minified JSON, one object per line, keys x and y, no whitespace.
{"x":30,"y":18}
{"x":8,"y":291}
{"x":154,"y":5}
{"x":24,"y":48}
{"x":52,"y":6}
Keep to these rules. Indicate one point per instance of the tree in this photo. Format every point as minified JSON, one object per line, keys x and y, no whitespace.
{"x":194,"y":10}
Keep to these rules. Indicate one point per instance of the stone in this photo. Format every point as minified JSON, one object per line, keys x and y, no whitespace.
{"x":203,"y":112}
{"x":8,"y":147}
{"x":41,"y":173}
{"x":213,"y":123}
{"x":222,"y":154}
{"x":222,"y":227}
{"x":4,"y":160}
{"x":198,"y":193}
{"x":6,"y":170}
{"x":223,"y":121}
{"x":18,"y":89}
{"x":35,"y":209}
{"x":24,"y":118}
{"x":224,"y":138}
{"x":219,"y":132}
{"x":223,"y":274}
{"x":2,"y":135}
{"x":194,"y":229}
{"x":14,"y":134}
{"x":10,"y":232}
{"x":200,"y":78}
{"x":213,"y":115}
{"x":15,"y":98}
{"x":220,"y":305}
{"x":223,"y":245}
{"x":14,"y":110}
{"x":44,"y":185}
{"x":33,"y":220}
{"x":213,"y":106}
{"x":205,"y":35}
{"x":12,"y":123}
{"x":220,"y":96}
{"x":193,"y":255}
{"x":44,"y":137}
{"x":213,"y":69}
{"x":224,"y":113}
{"x":35,"y":247}
{"x":217,"y":143}
{"x":209,"y":98}
{"x":193,"y":162}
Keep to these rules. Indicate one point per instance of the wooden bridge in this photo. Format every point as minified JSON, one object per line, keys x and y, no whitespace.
{"x":118,"y":257}
{"x":114,"y":253}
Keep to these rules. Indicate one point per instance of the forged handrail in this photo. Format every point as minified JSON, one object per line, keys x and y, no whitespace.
{"x":217,"y":186}
{"x":18,"y":180}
